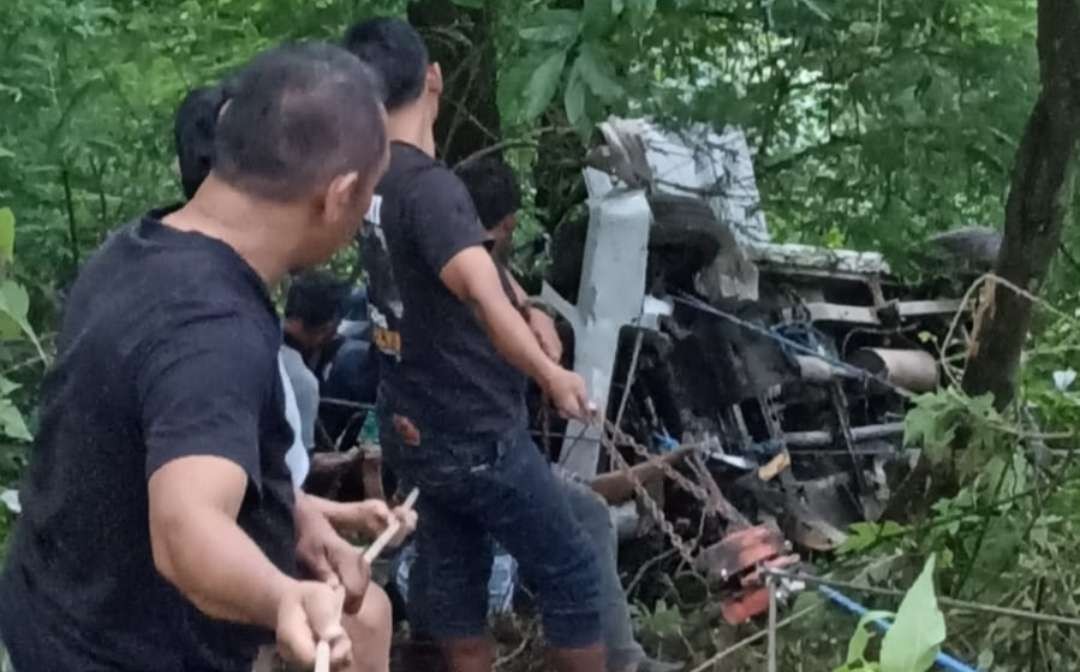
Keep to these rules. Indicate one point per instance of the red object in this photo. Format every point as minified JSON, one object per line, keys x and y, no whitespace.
{"x":745,"y":605}
{"x":740,"y":557}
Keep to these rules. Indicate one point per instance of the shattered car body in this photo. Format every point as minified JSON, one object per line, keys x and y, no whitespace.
{"x":788,"y":367}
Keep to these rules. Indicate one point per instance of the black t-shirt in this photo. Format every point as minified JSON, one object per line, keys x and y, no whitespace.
{"x":352,"y":376}
{"x":448,"y":373}
{"x":168,"y":348}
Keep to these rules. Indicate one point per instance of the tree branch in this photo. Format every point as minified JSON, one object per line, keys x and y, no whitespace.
{"x":834,"y":143}
{"x":509,"y":144}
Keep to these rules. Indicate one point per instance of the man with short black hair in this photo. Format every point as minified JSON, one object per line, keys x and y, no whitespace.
{"x":497,"y":197}
{"x":370,"y":630}
{"x":159,"y":527}
{"x":451,"y":401}
{"x":313,"y":307}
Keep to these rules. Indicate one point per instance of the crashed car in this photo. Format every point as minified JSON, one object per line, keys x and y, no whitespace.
{"x":788,"y":368}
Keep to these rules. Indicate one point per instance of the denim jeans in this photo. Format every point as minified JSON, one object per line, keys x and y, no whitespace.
{"x":480,"y":489}
{"x":591,"y":511}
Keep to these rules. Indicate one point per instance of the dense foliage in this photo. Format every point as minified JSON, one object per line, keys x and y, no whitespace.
{"x":874,"y":123}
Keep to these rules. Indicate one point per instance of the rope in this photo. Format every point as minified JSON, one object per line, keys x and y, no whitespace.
{"x":785,"y":342}
{"x":958,"y":605}
{"x":950,"y":370}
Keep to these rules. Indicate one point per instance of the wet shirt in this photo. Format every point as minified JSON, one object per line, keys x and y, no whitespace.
{"x":445,"y":372}
{"x":168,"y":349}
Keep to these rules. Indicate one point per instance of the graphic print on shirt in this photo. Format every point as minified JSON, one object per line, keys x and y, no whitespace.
{"x":384,"y":302}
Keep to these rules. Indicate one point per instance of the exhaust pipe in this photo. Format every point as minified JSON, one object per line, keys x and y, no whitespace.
{"x":913,"y":370}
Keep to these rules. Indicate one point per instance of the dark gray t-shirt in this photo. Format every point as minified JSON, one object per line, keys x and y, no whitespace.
{"x":449,"y":375}
{"x":168,"y":348}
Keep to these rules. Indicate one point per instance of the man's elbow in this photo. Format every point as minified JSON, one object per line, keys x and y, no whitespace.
{"x":164,"y":533}
{"x":171,"y":548}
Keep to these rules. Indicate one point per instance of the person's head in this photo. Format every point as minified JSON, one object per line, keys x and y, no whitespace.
{"x":303,"y":131}
{"x":313,"y":309}
{"x":194,"y":134}
{"x":497,"y":198}
{"x":396,"y":52}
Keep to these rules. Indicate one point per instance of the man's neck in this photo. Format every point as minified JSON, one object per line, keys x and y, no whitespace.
{"x":256,"y":229}
{"x":413,"y":125}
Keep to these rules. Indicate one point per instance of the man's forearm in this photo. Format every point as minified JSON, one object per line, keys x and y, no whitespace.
{"x":472,"y":277}
{"x":513,"y":338}
{"x":217,"y":566}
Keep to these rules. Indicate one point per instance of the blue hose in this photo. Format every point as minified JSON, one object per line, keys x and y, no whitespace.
{"x":944,"y":660}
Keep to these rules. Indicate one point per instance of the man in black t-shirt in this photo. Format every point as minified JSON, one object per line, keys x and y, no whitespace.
{"x":495,"y":193}
{"x":452,"y":407}
{"x":159,"y":527}
{"x":370,"y":629}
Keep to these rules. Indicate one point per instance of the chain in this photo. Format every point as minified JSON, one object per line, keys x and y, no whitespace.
{"x":611,"y":432}
{"x":699,"y":493}
{"x":685,"y":549}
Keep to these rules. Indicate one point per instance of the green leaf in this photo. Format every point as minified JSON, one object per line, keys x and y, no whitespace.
{"x":864,"y":535}
{"x":931,"y":424}
{"x":7,"y":234}
{"x":14,"y":305}
{"x":560,"y":26}
{"x":469,"y":4}
{"x":7,"y":386}
{"x":574,"y":101}
{"x":663,"y":621}
{"x":596,"y":69}
{"x":12,"y":424}
{"x":915,"y":638}
{"x":543,"y":85}
{"x":6,"y":153}
{"x":527,"y":87}
{"x":599,"y":17}
{"x":861,"y":637}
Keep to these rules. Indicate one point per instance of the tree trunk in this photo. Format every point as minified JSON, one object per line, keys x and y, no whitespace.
{"x":460,"y":41}
{"x":1037,"y":206}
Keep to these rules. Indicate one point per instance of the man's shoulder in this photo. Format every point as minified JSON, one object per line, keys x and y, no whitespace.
{"x":410,"y":167}
{"x":440,"y":177}
{"x":212,"y":332}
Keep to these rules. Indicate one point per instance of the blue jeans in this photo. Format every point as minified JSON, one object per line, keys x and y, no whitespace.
{"x":591,"y":511}
{"x":478,"y":489}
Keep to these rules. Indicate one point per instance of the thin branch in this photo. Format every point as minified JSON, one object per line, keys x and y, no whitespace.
{"x":1068,"y":256}
{"x":836,"y":142}
{"x":649,"y":564}
{"x":461,"y":109}
{"x":510,"y":144}
{"x":455,"y":123}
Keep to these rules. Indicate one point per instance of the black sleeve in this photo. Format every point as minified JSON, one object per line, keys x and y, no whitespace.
{"x":444,"y":221}
{"x":202,"y":389}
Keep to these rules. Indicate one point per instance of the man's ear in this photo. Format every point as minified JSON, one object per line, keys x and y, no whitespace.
{"x":341,"y":195}
{"x":435,"y":79}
